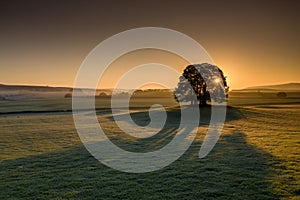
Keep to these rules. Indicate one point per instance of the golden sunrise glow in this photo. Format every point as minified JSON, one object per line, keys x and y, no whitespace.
{"x":256,"y":48}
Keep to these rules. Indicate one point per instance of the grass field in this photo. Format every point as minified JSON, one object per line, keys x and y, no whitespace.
{"x":257,"y":156}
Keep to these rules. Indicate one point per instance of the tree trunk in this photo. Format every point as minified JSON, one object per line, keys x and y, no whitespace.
{"x":203,"y":102}
{"x":203,"y":96}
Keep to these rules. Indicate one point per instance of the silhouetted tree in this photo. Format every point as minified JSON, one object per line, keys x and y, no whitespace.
{"x":207,"y":81}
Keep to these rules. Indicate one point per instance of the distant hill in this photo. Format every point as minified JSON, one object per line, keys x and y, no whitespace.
{"x":279,"y":87}
{"x":290,"y":91}
{"x":33,"y":88}
{"x":16,"y":92}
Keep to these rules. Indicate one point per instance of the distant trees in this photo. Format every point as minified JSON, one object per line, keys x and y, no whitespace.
{"x":281,"y":95}
{"x":68,"y":95}
{"x":103,"y":94}
{"x":207,"y":81}
{"x":3,"y":98}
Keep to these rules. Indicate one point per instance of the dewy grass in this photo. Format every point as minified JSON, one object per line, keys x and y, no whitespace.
{"x":257,"y":157}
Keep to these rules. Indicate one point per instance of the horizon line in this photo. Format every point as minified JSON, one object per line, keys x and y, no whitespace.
{"x":111,"y":88}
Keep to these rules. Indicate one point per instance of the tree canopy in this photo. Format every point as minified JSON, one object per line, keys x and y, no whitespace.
{"x":206,"y":81}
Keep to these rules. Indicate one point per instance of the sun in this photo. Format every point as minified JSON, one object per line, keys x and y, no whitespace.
{"x":217,"y":80}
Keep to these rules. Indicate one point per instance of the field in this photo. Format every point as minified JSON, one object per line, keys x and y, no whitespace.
{"x":257,"y":156}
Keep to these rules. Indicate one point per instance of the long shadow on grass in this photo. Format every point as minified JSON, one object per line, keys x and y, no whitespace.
{"x":233,"y":170}
{"x":165,"y":135}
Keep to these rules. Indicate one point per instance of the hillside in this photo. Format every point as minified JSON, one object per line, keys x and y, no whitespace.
{"x":284,"y":87}
{"x":33,"y":88}
{"x":17,"y":92}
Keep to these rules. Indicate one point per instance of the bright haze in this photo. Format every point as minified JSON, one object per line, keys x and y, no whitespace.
{"x":45,"y":42}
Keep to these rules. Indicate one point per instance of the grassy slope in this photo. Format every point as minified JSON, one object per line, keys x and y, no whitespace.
{"x":257,"y":157}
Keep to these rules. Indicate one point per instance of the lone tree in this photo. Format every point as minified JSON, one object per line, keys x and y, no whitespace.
{"x":206,"y":81}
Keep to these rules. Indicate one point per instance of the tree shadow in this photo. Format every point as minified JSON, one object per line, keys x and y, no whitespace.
{"x":163,"y":136}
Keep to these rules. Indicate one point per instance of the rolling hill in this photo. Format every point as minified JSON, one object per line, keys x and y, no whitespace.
{"x":284,"y":87}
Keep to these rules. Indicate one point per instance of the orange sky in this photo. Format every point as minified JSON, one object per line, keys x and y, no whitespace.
{"x":44,"y":43}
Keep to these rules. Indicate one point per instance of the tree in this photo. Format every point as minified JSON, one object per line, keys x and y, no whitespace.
{"x":281,"y":95}
{"x":204,"y":80}
{"x":102,"y":94}
{"x":68,"y":95}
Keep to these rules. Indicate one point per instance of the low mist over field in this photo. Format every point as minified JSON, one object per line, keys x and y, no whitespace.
{"x":18,"y":92}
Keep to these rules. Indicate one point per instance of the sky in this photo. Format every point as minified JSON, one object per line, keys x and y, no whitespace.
{"x":45,"y":42}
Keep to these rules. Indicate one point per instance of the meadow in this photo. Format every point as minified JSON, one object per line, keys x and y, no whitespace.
{"x":257,"y":156}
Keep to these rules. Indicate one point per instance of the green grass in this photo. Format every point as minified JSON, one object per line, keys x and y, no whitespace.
{"x":257,"y":157}
{"x":61,"y":104}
